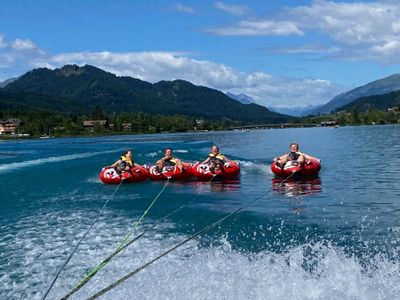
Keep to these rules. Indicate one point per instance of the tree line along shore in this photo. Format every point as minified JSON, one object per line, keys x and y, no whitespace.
{"x":36,"y":124}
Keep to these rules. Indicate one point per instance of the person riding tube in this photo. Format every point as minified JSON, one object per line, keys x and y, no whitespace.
{"x":125,"y":163}
{"x":169,"y":160}
{"x":215,"y":159}
{"x":294,"y":155}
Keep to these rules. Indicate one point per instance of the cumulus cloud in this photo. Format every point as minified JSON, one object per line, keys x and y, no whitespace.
{"x":362,"y":30}
{"x":19,"y":44}
{"x":19,"y":55}
{"x":236,"y":10}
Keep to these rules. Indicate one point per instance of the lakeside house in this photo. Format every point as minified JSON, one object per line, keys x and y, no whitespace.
{"x":90,"y":124}
{"x":9,"y":126}
{"x":394,"y":109}
{"x":103,"y":124}
{"x":127,"y":126}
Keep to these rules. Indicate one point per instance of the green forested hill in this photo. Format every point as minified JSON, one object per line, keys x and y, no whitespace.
{"x":80,"y":89}
{"x":31,"y":102}
{"x":378,"y":87}
{"x":380,"y":102}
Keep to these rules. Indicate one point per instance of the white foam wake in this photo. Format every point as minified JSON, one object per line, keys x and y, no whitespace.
{"x":37,"y":246}
{"x":181,"y":151}
{"x":252,"y":167}
{"x":29,"y":163}
{"x":153,"y":154}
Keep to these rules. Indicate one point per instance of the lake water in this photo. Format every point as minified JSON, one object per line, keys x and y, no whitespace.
{"x":332,"y":237}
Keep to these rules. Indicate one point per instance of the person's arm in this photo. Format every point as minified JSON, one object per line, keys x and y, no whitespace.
{"x":206,"y":161}
{"x":162,"y":160}
{"x":115,"y":164}
{"x":280,"y":157}
{"x":308,"y":157}
{"x":179,"y":163}
{"x":225,"y":159}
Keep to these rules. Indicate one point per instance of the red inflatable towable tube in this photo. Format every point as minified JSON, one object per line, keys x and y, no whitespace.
{"x":136,"y":174}
{"x":229,"y":170}
{"x":171,"y":172}
{"x":311,"y":167}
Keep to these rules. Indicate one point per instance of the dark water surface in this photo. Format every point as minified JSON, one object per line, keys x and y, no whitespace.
{"x":332,"y":237}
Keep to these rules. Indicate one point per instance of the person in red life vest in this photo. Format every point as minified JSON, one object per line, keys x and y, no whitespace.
{"x":125,"y":163}
{"x":216,"y":159}
{"x":169,"y":160}
{"x":294,"y":155}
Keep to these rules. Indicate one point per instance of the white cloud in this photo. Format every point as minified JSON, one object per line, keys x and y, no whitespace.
{"x":365,"y":31}
{"x":303,"y":49}
{"x":184,"y":8}
{"x":362,"y":30}
{"x":236,"y":10}
{"x":18,"y":55}
{"x":348,"y":23}
{"x":258,"y":27}
{"x":20,"y":44}
{"x":3,"y":42}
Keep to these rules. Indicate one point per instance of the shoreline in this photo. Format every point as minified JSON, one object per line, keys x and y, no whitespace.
{"x":6,"y":137}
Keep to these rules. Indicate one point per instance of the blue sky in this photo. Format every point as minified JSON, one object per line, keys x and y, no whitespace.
{"x":280,"y":53}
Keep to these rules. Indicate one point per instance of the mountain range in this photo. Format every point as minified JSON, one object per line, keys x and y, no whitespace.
{"x":359,"y":99}
{"x":380,"y":102}
{"x":377,"y":87}
{"x":296,"y":111}
{"x":242,"y":98}
{"x":6,"y":82}
{"x":79,"y":90}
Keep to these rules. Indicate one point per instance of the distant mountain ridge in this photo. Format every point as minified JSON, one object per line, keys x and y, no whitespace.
{"x":297,"y":111}
{"x":6,"y":82}
{"x":377,"y":87}
{"x":242,"y":98}
{"x":86,"y":87}
{"x":381,"y":102}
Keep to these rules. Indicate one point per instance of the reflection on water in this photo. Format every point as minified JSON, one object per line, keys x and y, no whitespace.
{"x":230,"y":185}
{"x":227,"y":185}
{"x":296,"y":186}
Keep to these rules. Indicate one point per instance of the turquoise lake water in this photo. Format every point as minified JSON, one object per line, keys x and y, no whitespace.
{"x":332,"y":237}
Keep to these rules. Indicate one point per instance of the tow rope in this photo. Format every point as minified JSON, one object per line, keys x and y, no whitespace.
{"x":79,"y":242}
{"x":205,"y":229}
{"x":121,"y":246}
